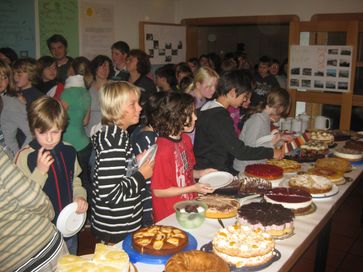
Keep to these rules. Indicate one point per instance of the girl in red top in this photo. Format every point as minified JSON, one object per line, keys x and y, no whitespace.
{"x":173,"y":177}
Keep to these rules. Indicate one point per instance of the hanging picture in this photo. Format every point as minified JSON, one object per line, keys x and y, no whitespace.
{"x":164,"y":43}
{"x":325,"y":68}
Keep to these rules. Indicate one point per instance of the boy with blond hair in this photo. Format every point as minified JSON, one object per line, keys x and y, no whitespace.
{"x":50,"y":162}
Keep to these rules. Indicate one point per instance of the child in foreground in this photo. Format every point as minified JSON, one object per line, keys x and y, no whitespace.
{"x":52,"y":163}
{"x":117,"y":182}
{"x":173,"y":178}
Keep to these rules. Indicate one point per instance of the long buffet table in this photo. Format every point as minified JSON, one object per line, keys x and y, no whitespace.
{"x":307,"y":229}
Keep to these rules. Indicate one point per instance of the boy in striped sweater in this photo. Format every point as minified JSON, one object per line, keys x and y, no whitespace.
{"x":52,"y":163}
{"x":117,"y":182}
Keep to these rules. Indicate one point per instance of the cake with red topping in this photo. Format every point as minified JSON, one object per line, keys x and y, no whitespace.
{"x":299,"y":201}
{"x":264,"y":170}
{"x":274,"y":219}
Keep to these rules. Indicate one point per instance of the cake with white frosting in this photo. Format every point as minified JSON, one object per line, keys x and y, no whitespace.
{"x":242,"y":246}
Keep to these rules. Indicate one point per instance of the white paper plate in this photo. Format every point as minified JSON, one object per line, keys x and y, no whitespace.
{"x":149,"y":154}
{"x":69,"y":222}
{"x":217,"y":179}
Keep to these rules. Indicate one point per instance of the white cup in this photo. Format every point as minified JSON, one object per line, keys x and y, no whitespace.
{"x":322,"y":122}
{"x":296,"y":125}
{"x":286,"y":124}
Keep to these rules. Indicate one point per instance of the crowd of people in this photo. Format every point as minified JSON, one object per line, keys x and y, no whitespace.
{"x":77,"y":129}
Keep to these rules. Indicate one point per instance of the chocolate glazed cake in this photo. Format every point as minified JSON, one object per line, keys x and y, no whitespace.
{"x":271,"y":218}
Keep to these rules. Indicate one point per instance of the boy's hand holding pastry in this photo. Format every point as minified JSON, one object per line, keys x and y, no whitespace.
{"x":82,"y":204}
{"x":44,"y":160}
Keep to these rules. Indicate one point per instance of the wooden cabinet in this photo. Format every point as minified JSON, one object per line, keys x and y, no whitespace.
{"x":333,"y":30}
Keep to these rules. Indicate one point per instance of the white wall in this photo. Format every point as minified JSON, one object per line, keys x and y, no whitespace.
{"x":130,"y":12}
{"x":303,"y":8}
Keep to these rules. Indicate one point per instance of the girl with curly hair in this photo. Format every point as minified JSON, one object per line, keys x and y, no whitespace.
{"x":173,"y":177}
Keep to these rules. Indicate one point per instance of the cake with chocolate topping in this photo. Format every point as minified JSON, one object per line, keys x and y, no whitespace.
{"x":274,"y":219}
{"x":253,"y":185}
{"x":356,"y":145}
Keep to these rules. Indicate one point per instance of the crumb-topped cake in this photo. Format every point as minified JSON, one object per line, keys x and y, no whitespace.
{"x":288,"y":166}
{"x":243,"y":246}
{"x":219,"y":206}
{"x":264,"y":170}
{"x":311,"y":183}
{"x":297,"y":200}
{"x":274,"y":219}
{"x":159,"y":240}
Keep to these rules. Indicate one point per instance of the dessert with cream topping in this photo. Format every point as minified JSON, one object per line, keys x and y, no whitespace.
{"x":242,"y":246}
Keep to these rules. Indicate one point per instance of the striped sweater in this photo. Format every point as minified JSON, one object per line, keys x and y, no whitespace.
{"x":116,"y":202}
{"x":25,"y":217}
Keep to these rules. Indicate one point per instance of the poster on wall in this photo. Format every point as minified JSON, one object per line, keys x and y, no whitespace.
{"x":324,"y":68}
{"x":96,"y":27}
{"x":17,"y":29}
{"x":58,"y":17}
{"x":165,"y":43}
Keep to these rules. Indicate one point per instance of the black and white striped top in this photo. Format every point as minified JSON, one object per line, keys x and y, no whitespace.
{"x":116,"y":201}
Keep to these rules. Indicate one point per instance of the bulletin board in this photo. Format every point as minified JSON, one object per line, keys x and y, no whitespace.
{"x":164,"y":43}
{"x":17,"y":31}
{"x":58,"y":17}
{"x":323,"y":68}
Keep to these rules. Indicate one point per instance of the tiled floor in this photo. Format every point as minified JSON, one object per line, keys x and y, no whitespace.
{"x":345,"y":246}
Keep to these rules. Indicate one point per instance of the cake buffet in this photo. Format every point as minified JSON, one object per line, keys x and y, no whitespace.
{"x":258,"y":224}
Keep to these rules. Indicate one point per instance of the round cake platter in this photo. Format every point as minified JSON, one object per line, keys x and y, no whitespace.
{"x":136,"y":256}
{"x":276,"y":256}
{"x":311,"y":210}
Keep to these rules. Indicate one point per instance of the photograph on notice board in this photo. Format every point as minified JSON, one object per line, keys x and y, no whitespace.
{"x":320,"y":67}
{"x":167,"y":42}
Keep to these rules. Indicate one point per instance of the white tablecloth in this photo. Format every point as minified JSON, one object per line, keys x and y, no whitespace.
{"x":306,"y":229}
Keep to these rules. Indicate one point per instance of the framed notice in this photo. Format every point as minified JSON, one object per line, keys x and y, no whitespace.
{"x":325,"y":68}
{"x":164,"y":43}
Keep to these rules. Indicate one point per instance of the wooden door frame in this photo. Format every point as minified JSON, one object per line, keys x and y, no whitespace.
{"x":192,"y":25}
